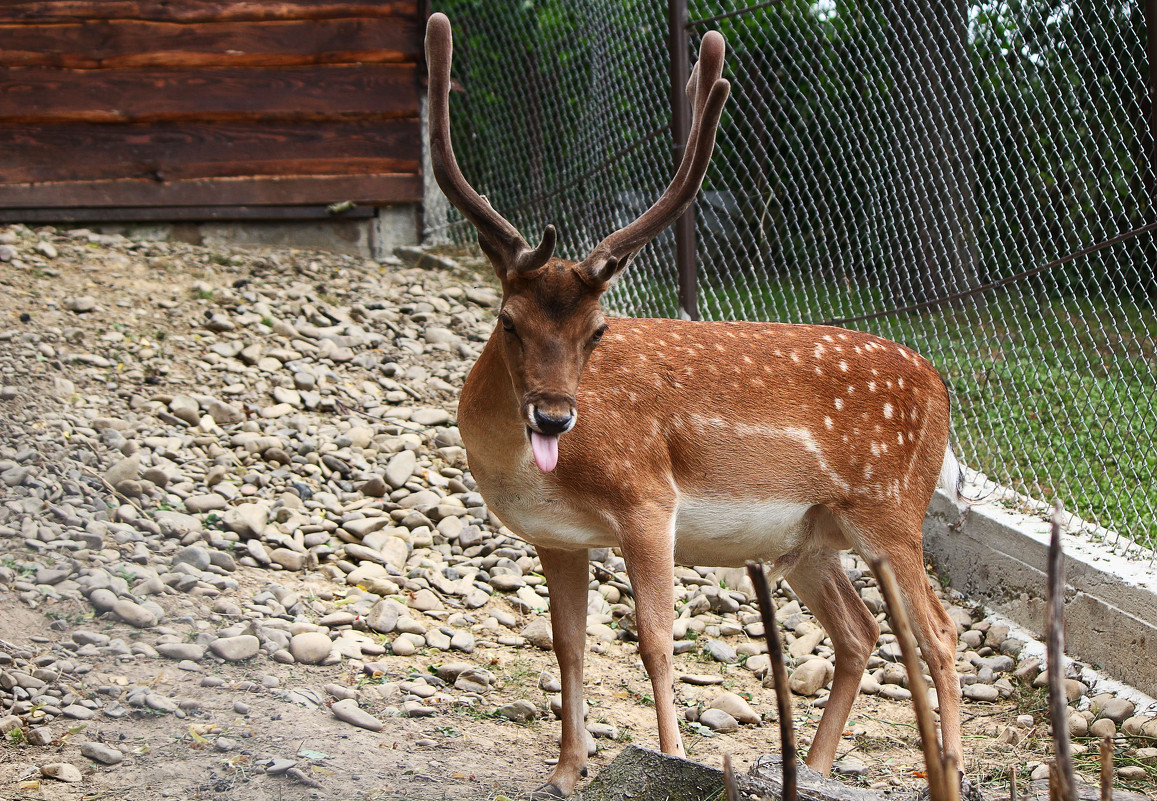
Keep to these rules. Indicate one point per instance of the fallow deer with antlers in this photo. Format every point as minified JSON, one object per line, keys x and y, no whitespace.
{"x":704,"y":443}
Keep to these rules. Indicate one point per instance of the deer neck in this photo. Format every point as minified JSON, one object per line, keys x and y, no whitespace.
{"x":488,"y":413}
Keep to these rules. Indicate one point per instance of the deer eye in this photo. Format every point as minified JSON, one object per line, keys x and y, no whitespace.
{"x":597,"y":337}
{"x":507,"y":323}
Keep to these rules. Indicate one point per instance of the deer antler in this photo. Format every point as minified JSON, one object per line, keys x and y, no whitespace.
{"x":707,"y":92}
{"x":499,"y":240}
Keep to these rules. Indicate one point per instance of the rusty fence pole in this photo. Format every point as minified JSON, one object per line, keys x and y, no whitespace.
{"x":685,"y":245}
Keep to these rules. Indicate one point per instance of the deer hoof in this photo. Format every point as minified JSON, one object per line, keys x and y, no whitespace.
{"x":548,"y":792}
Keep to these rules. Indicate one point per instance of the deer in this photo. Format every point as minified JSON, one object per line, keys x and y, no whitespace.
{"x":694,"y":442}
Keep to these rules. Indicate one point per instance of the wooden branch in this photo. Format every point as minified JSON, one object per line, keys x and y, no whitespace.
{"x":1061,"y":771}
{"x":1012,"y":792}
{"x":925,"y":722}
{"x":729,"y":779}
{"x":779,"y":677}
{"x":1106,"y":769}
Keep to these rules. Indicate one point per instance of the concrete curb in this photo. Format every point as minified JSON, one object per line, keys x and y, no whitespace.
{"x":999,"y":557}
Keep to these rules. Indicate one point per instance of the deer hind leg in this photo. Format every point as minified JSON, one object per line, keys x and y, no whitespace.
{"x":566,"y":576}
{"x":651,"y":567}
{"x":822,"y":584}
{"x":936,"y":634}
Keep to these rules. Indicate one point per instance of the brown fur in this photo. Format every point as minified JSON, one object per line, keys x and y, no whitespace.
{"x":850,"y":425}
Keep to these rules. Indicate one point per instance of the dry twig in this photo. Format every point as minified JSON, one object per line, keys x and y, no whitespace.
{"x":729,"y":779}
{"x":779,"y":677}
{"x":925,"y":722}
{"x":1061,"y":782}
{"x":1106,"y":769}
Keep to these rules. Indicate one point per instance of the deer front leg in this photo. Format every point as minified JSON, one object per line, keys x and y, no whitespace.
{"x":566,"y":576}
{"x":650,"y":558}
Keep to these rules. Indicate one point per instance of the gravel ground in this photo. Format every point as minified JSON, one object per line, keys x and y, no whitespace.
{"x":243,"y":554}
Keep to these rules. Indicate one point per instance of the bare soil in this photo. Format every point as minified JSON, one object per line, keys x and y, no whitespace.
{"x":462,"y":752}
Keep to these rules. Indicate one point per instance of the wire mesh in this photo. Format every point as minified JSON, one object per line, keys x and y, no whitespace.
{"x":873,"y":155}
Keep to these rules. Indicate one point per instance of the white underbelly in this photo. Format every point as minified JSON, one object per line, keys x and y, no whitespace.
{"x":725,"y":532}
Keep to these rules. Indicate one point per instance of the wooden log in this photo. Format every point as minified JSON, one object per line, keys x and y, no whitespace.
{"x":33,"y":95}
{"x":165,"y":152}
{"x":200,"y":10}
{"x":246,"y":191}
{"x":131,"y":44}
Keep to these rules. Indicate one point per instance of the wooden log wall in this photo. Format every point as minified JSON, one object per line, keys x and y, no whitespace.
{"x":207,"y":109}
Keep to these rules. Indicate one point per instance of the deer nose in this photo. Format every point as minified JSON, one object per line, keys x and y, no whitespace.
{"x":552,"y":426}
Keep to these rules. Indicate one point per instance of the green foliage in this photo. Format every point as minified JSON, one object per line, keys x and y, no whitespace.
{"x":1031,"y":117}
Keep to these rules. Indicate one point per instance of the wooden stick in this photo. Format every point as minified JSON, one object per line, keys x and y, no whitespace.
{"x":1012,"y":793}
{"x":1055,"y":626}
{"x":729,"y":779}
{"x":951,"y":784}
{"x":1106,"y":769}
{"x":779,"y":678}
{"x":925,"y":723}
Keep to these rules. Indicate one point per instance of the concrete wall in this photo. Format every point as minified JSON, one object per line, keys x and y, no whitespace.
{"x":373,"y":238}
{"x":999,"y":557}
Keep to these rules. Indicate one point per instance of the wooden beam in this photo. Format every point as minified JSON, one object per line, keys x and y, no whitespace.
{"x":34,"y":11}
{"x":48,"y":95}
{"x":130,"y":44}
{"x":181,"y":214}
{"x":164,"y":152}
{"x":381,"y":189}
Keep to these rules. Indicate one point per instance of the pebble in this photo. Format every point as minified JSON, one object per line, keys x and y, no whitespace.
{"x":236,"y":649}
{"x":99,"y":752}
{"x":539,"y":633}
{"x":133,"y":613}
{"x":718,"y":720}
{"x":61,"y":771}
{"x":737,"y":707}
{"x":809,"y":677}
{"x":310,"y":647}
{"x":251,"y":475}
{"x":520,"y":711}
{"x":348,"y":710}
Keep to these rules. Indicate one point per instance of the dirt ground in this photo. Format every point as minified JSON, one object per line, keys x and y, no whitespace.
{"x":218,"y":749}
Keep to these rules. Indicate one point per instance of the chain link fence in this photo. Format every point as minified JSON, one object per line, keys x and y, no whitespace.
{"x":874,"y":158}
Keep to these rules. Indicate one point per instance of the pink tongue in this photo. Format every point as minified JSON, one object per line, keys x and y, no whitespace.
{"x":545,"y":450}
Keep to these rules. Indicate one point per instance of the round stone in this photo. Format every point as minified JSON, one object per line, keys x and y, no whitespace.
{"x":236,"y":649}
{"x":310,"y":647}
{"x":735,"y":706}
{"x":99,"y":752}
{"x":348,"y":710}
{"x":718,"y":720}
{"x":61,"y":771}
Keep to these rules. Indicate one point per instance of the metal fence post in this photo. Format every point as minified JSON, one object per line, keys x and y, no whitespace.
{"x":1151,"y":52}
{"x":685,"y":256}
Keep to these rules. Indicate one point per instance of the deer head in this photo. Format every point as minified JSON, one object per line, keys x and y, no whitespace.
{"x":550,"y":320}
